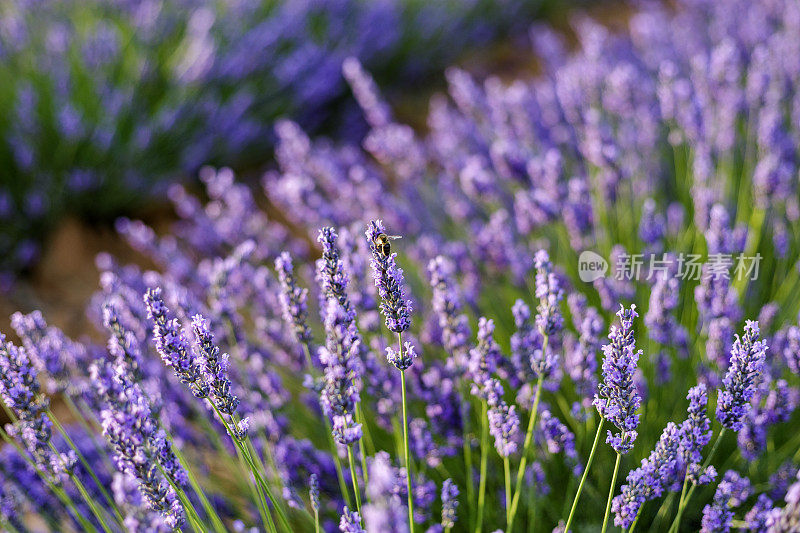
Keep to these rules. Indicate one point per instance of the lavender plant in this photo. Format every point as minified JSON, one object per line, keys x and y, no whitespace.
{"x":668,"y":150}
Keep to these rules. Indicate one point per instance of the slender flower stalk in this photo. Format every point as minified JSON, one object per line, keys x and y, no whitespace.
{"x":313,"y":493}
{"x":748,"y":354}
{"x":396,"y":310}
{"x":617,"y":398}
{"x":541,"y":359}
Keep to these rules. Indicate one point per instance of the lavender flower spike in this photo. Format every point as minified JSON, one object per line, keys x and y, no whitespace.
{"x":173,"y":346}
{"x":550,"y":294}
{"x":293,"y":298}
{"x":617,"y":398}
{"x":659,"y":473}
{"x":342,"y":373}
{"x":449,"y":504}
{"x":503,"y":420}
{"x":746,"y":364}
{"x":389,"y":280}
{"x":350,"y":522}
{"x":695,"y":435}
{"x":732,"y":491}
{"x":313,"y":491}
{"x":216,"y":368}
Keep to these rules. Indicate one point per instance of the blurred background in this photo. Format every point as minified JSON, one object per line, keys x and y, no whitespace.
{"x":105,"y":103}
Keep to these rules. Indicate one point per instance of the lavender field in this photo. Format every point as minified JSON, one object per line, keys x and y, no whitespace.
{"x":570,"y":301}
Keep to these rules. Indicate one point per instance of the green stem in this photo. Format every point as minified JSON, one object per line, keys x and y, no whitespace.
{"x":467,"y":444}
{"x":406,"y":449}
{"x":585,"y":474}
{"x":216,"y":521}
{"x":316,"y":520}
{"x":507,"y":471}
{"x":261,"y":485}
{"x":484,"y":458}
{"x":611,"y":493}
{"x":88,"y":468}
{"x":635,"y":520}
{"x":355,"y":479}
{"x":526,"y":447}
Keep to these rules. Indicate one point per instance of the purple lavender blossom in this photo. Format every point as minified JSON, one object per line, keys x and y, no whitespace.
{"x":389,"y":281}
{"x":350,"y":522}
{"x":19,"y":389}
{"x":293,"y":298}
{"x":386,"y":510}
{"x":759,"y":516}
{"x":139,"y":446}
{"x":731,"y":492}
{"x":617,"y":398}
{"x":449,"y":503}
{"x":484,"y":357}
{"x":581,"y":356}
{"x":215,"y":368}
{"x":695,"y":435}
{"x":173,"y":346}
{"x":527,"y":345}
{"x":503,"y":419}
{"x":403,"y":358}
{"x":555,"y":437}
{"x":54,"y":355}
{"x":659,"y":472}
{"x":747,"y":361}
{"x":447,"y":305}
{"x":549,"y":293}
{"x":342,"y":373}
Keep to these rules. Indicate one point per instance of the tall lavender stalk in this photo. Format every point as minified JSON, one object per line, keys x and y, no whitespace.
{"x":396,"y":311}
{"x":733,"y":402}
{"x":616,"y":400}
{"x":205,"y":374}
{"x":344,"y":348}
{"x":549,"y":322}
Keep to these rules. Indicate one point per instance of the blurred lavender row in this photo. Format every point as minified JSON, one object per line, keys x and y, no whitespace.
{"x":108,"y":99}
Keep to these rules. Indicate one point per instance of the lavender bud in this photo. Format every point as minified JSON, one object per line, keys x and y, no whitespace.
{"x":401,"y":359}
{"x":173,"y":347}
{"x":350,"y":522}
{"x":313,"y":491}
{"x":449,"y":503}
{"x":293,"y":298}
{"x":746,"y":364}
{"x":550,"y":294}
{"x":617,"y":398}
{"x":389,"y":280}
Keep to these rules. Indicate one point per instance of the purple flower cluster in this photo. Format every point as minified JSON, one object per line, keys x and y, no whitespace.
{"x":447,"y":304}
{"x":660,"y":472}
{"x":293,"y":298}
{"x":731,"y":492}
{"x":19,"y":389}
{"x":342,"y":373}
{"x":449,"y":503}
{"x":141,"y":449}
{"x":503,"y":419}
{"x":617,"y":399}
{"x":549,"y":293}
{"x":483,"y":358}
{"x":388,"y":276}
{"x":746,"y":364}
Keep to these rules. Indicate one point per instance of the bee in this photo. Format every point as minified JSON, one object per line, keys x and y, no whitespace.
{"x":381,"y":243}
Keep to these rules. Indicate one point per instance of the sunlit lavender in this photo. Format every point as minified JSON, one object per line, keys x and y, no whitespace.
{"x":566,"y":301}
